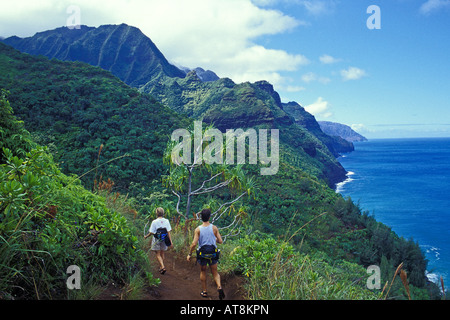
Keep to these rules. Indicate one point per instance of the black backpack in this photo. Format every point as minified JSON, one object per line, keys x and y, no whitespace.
{"x":163,"y":236}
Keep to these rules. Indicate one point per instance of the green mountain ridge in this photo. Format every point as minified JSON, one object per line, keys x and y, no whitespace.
{"x":221,"y":102}
{"x":77,"y":108}
{"x":335,"y":143}
{"x":121,"y":49}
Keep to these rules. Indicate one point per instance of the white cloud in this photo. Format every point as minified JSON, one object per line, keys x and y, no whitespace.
{"x":313,"y":7}
{"x":311,"y":76}
{"x":319,"y":108}
{"x":294,"y":88}
{"x":352,"y":73}
{"x":256,"y":62}
{"x":327,"y":59}
{"x":214,"y":34}
{"x":434,"y":5}
{"x":359,"y":127}
{"x":317,"y":7}
{"x":264,"y":3}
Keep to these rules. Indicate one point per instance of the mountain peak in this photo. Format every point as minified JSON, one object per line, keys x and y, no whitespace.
{"x":206,"y":75}
{"x":121,"y":49}
{"x":341,"y":130}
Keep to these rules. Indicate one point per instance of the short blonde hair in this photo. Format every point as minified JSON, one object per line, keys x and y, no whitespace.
{"x":159,"y":212}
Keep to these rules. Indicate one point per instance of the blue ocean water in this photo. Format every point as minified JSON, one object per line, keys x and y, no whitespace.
{"x":405,"y":184}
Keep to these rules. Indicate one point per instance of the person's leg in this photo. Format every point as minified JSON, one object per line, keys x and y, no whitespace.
{"x":216,"y":275}
{"x":159,"y":257}
{"x":203,"y":277}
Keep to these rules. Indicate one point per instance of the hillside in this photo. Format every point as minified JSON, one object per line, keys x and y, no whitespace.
{"x":121,"y":49}
{"x":335,"y":143}
{"x":247,"y":105}
{"x":341,"y":130}
{"x":72,"y":106}
{"x":49,"y":221}
{"x":221,"y":102}
{"x":86,"y":116}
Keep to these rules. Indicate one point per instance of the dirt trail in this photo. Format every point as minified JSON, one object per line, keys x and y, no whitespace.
{"x":182,"y":282}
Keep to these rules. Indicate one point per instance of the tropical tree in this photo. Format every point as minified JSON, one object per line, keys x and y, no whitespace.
{"x":199,"y":175}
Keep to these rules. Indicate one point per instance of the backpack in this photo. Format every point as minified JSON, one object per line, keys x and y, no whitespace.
{"x":162,"y":235}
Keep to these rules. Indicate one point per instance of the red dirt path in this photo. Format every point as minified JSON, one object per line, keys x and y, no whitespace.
{"x":182,"y":282}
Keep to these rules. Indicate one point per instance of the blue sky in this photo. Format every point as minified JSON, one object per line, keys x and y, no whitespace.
{"x":386,"y":83}
{"x":404,"y":88}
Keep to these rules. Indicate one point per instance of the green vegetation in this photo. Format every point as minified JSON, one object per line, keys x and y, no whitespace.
{"x":306,"y":242}
{"x":199,"y":184}
{"x":49,"y":221}
{"x":74,"y":109}
{"x":227,"y":105}
{"x":277,"y":271}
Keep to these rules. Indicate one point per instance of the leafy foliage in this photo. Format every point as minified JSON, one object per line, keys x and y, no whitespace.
{"x":48,"y":221}
{"x":221,"y":186}
{"x":277,"y":272}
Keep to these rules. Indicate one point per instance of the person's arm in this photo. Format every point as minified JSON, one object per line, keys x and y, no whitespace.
{"x":217,"y":234}
{"x":194,"y":243}
{"x":149,"y":232}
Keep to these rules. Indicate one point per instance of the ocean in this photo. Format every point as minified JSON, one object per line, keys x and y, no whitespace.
{"x":405,"y":184}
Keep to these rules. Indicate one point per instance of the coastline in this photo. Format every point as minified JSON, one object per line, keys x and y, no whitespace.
{"x":420,"y":151}
{"x":340,"y":185}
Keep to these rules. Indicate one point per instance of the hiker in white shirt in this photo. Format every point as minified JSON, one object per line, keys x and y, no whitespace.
{"x":162,"y":240}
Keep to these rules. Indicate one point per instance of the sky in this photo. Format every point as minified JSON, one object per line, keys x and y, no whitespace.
{"x":379,"y":66}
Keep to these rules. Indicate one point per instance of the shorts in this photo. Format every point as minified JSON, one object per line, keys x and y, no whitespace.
{"x":204,"y":261}
{"x":158,"y":245}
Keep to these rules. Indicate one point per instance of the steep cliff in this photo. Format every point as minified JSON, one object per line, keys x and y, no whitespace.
{"x":341,"y":130}
{"x":306,"y":120}
{"x":121,"y":49}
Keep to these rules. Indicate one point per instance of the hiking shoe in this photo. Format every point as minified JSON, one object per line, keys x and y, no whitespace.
{"x":221,"y":294}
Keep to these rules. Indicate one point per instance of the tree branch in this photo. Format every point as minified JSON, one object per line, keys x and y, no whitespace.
{"x":211,"y":189}
{"x":178,"y":202}
{"x":226,"y":209}
{"x":231,"y":233}
{"x":206,"y":181}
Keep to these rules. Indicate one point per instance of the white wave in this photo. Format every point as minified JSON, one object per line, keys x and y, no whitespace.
{"x":340,"y":185}
{"x":433,"y":277}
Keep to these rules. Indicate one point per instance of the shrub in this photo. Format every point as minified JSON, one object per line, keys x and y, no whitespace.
{"x":276,"y":272}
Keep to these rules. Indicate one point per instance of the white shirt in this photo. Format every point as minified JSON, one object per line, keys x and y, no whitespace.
{"x":159,"y":223}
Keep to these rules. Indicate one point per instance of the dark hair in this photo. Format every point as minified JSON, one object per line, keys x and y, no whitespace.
{"x":206,"y":214}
